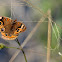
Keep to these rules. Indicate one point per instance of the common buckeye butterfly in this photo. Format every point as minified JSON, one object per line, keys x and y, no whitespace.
{"x":10,"y":29}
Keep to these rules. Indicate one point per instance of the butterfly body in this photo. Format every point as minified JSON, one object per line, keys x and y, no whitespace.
{"x":10,"y":29}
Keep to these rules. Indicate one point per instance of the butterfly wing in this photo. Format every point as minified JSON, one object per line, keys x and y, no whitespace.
{"x":10,"y":29}
{"x":1,"y":23}
{"x":6,"y":28}
{"x":18,"y":28}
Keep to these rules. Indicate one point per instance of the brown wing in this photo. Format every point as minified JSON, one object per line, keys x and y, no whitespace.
{"x":6,"y":25}
{"x":10,"y":29}
{"x":18,"y":28}
{"x":6,"y":28}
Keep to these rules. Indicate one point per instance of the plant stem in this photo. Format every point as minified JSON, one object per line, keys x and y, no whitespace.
{"x":17,"y":41}
{"x":21,"y":49}
{"x":49,"y":36}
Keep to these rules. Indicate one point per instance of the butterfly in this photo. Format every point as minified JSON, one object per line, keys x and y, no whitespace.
{"x":10,"y":29}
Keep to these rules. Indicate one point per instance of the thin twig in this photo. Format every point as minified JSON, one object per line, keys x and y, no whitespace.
{"x":49,"y":36}
{"x":17,"y":41}
{"x":27,"y":39}
{"x":18,"y":48}
{"x":44,"y":14}
{"x":21,"y":49}
{"x":29,"y":50}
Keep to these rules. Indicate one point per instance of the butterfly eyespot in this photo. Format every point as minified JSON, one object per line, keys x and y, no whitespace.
{"x":1,"y":23}
{"x":17,"y":30}
{"x":2,"y":29}
{"x":6,"y":34}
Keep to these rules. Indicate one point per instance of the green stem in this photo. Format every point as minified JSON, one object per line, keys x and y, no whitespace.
{"x":21,"y":49}
{"x":11,"y":47}
{"x":17,"y":41}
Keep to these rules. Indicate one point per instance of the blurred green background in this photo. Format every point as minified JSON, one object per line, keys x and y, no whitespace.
{"x":30,"y":17}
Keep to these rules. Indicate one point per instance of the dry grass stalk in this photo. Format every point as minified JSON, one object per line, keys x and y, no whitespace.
{"x":49,"y":36}
{"x":44,"y":14}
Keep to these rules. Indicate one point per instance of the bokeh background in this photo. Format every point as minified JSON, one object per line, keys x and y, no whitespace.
{"x":22,"y":11}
